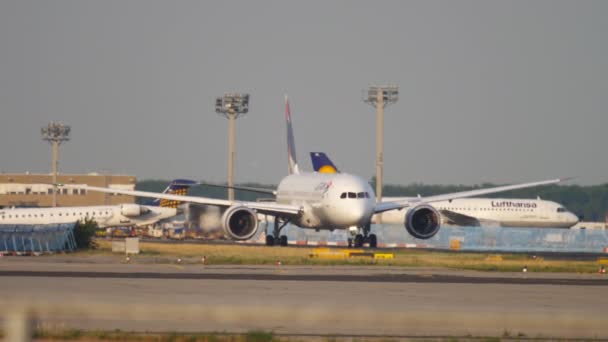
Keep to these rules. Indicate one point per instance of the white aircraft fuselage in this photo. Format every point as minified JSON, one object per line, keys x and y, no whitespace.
{"x":105,"y":216}
{"x":503,"y":212}
{"x":328,"y":201}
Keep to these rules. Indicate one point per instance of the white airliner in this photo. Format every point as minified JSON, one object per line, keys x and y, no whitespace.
{"x":495,"y":212}
{"x":105,"y":215}
{"x":321,"y":201}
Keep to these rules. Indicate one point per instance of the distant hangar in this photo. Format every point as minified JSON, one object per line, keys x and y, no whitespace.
{"x":36,"y":190}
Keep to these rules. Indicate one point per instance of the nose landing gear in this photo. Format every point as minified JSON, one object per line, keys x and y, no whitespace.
{"x":360,"y":236}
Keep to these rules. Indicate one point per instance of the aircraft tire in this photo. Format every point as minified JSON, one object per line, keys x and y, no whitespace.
{"x":373,"y":241}
{"x":358,"y":241}
{"x":283,"y":240}
{"x":269,"y":240}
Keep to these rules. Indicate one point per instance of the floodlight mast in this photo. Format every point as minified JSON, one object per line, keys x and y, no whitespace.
{"x":55,"y":133}
{"x":231,"y":106}
{"x":379,"y":97}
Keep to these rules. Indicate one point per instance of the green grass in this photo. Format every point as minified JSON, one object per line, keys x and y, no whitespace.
{"x":218,"y":254}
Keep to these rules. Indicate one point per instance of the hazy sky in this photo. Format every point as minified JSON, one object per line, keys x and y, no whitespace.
{"x":490,"y":91}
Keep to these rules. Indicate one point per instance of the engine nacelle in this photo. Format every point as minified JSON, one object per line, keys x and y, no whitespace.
{"x":422,"y":221}
{"x":131,"y":210}
{"x":240,"y":223}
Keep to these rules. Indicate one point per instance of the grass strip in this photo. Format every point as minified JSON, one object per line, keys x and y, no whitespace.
{"x":228,"y":254}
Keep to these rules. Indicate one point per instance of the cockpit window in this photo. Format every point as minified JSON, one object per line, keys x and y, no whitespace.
{"x":561,"y":210}
{"x":355,"y":195}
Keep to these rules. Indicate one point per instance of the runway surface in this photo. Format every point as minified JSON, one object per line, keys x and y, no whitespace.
{"x":283,"y":274}
{"x":319,"y":300}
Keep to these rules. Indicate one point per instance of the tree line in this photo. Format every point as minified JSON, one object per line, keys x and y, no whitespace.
{"x":589,"y":202}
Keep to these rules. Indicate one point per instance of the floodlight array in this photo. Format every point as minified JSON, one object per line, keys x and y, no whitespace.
{"x":232,"y":104}
{"x":390,"y":94}
{"x":56,"y":132}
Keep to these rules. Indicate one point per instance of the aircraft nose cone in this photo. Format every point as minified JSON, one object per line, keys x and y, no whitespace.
{"x":573,"y":219}
{"x":363,"y":211}
{"x":357,"y":213}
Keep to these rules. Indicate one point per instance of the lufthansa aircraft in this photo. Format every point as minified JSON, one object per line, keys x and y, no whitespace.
{"x":494,"y":212}
{"x":129,"y":214}
{"x":320,"y":201}
{"x":497,"y":212}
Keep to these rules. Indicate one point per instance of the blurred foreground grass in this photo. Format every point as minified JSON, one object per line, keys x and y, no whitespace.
{"x":252,"y":336}
{"x":118,"y":335}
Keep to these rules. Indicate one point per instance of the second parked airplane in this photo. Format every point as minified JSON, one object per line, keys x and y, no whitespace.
{"x":129,"y":214}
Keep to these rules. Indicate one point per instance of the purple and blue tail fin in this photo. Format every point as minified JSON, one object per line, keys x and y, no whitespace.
{"x":176,"y":187}
{"x":322,"y":164}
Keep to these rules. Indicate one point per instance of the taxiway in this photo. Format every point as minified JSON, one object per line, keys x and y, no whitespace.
{"x":90,"y":293}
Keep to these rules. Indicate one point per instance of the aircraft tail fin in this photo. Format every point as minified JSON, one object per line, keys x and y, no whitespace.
{"x":322,"y":164}
{"x":176,"y":187}
{"x":292,"y":162}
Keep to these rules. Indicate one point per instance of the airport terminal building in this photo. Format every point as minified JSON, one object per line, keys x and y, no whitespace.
{"x":35,"y":190}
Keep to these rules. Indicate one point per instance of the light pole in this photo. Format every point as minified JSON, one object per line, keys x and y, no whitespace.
{"x":231,"y":106}
{"x":379,"y":97}
{"x":55,"y":133}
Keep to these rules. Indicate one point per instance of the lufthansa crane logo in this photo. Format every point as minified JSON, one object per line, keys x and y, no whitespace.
{"x":323,"y":186}
{"x":327,"y":169}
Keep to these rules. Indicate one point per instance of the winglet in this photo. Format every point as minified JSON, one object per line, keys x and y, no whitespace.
{"x":292,"y":162}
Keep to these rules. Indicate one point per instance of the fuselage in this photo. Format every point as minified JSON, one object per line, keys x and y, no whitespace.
{"x":105,"y":216}
{"x":504,"y":212}
{"x":328,"y":201}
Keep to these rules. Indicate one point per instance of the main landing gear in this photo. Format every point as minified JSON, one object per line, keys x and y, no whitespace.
{"x":360,"y":236}
{"x":276,"y":237}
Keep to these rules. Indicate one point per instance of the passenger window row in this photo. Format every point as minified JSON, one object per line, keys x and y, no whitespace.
{"x":101,"y":213}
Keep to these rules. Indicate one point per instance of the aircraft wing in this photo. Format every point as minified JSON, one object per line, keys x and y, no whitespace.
{"x":270,"y":208}
{"x":466,"y":220}
{"x":460,"y":219}
{"x":243,"y":188}
{"x":399,"y":204}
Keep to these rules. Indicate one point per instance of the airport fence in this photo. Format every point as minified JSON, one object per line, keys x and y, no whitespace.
{"x":25,"y":239}
{"x":522,"y":239}
{"x":506,"y":239}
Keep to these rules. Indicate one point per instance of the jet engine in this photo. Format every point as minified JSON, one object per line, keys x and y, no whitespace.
{"x":422,"y":221}
{"x":239,"y":223}
{"x":131,"y":210}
